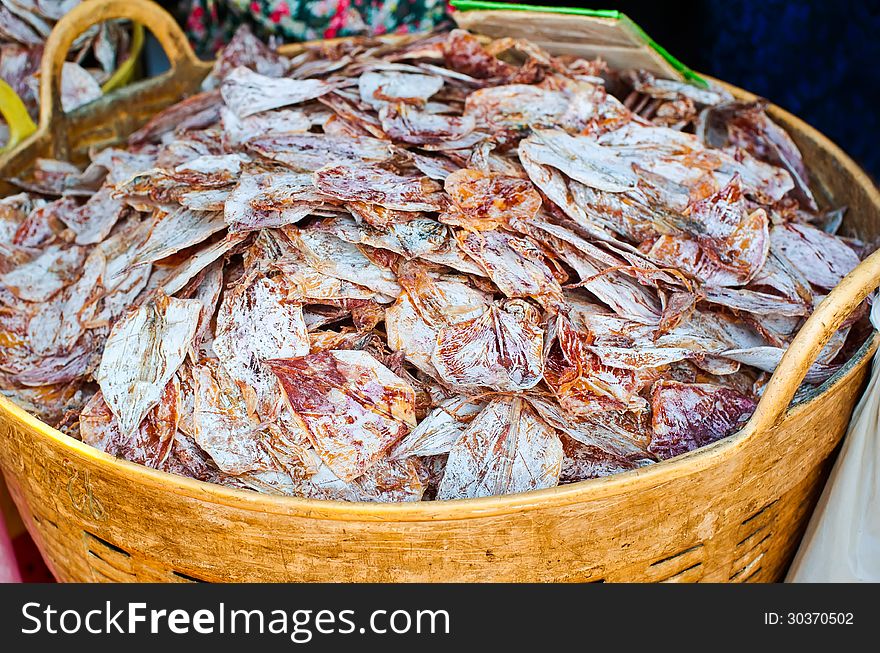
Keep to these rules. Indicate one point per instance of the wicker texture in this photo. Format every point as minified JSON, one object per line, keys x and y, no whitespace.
{"x":733,"y":511}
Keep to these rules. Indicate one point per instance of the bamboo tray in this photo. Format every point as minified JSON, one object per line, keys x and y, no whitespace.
{"x":733,"y":511}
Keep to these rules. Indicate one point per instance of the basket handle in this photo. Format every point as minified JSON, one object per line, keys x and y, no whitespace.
{"x":92,"y":12}
{"x":811,"y":339}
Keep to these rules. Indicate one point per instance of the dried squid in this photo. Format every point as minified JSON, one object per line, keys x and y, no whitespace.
{"x":416,"y":271}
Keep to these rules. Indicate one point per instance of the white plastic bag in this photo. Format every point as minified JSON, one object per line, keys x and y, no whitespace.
{"x":842,"y":542}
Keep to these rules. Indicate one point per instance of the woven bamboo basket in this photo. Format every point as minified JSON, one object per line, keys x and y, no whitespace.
{"x":733,"y":511}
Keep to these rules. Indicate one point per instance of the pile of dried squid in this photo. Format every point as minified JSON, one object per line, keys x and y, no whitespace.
{"x":441,"y":269}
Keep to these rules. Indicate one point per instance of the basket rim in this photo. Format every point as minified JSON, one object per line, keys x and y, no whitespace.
{"x":461,"y":509}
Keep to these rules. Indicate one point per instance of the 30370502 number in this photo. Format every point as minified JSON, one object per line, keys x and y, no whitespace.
{"x":809,"y":618}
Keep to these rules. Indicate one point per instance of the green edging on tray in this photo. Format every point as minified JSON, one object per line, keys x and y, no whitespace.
{"x":687,"y":73}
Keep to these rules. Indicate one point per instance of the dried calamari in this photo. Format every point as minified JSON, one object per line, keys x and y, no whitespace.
{"x":246,"y":92}
{"x":353,"y":407}
{"x":142,"y":353}
{"x":415,"y":271}
{"x":506,"y":449}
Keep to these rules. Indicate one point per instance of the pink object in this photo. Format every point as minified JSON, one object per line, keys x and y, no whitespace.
{"x":9,"y":572}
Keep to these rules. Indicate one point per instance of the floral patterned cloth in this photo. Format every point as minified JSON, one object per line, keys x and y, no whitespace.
{"x":210,"y":23}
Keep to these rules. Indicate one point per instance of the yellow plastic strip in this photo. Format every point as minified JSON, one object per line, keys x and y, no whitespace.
{"x":125,"y":72}
{"x":16,"y":116}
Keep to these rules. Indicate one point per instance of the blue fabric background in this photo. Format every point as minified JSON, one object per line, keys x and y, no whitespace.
{"x":820,"y":59}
